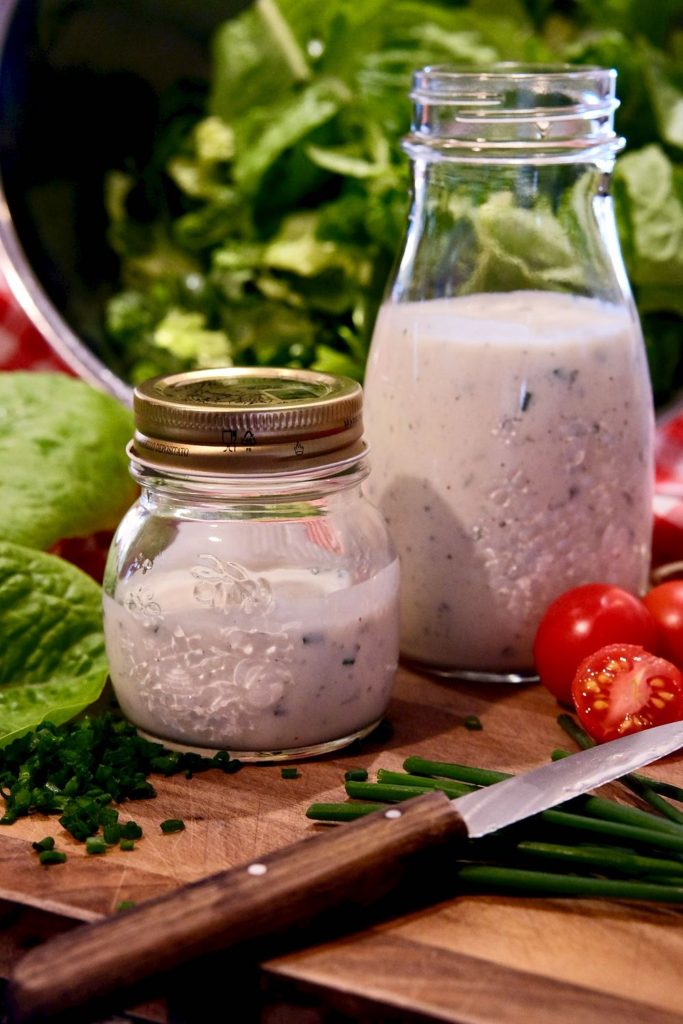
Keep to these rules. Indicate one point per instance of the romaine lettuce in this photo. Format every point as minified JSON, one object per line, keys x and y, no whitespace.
{"x":52,"y":656}
{"x":287,"y":201}
{"x":63,"y":464}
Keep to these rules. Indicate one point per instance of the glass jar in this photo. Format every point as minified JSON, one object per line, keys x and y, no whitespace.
{"x":507,"y":395}
{"x":251,"y":593}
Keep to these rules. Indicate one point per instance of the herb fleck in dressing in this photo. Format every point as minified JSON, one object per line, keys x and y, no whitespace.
{"x":499,"y":503}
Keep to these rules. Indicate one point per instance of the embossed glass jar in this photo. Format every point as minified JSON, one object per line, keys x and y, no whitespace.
{"x":251,"y":593}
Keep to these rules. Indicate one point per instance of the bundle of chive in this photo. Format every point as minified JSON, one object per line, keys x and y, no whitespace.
{"x":589,"y":846}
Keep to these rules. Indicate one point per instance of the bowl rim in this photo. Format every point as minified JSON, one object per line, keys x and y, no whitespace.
{"x":26,"y":289}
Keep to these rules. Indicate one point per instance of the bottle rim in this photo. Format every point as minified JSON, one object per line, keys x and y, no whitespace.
{"x":513,"y":111}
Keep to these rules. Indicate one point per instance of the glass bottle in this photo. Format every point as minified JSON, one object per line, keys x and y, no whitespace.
{"x":251,"y":593}
{"x":507,"y":396}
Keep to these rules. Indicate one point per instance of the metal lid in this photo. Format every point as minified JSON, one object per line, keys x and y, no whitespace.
{"x":238,"y":420}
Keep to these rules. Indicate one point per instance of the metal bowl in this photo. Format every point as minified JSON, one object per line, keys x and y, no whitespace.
{"x":80,"y":82}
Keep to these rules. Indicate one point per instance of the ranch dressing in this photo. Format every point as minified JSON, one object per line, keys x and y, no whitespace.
{"x":515,"y":439}
{"x":212,"y":654}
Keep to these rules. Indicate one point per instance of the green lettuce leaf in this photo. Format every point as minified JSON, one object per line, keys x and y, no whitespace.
{"x":63,"y":464}
{"x":52,"y":657}
{"x":265,"y":133}
{"x":186,"y":335}
{"x":255,"y":57}
{"x":651,"y":214}
{"x":665,"y":85}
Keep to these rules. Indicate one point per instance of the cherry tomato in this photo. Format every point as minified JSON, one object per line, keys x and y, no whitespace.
{"x":580,"y":621}
{"x":665,"y":605}
{"x":622,"y":688}
{"x":667,"y":532}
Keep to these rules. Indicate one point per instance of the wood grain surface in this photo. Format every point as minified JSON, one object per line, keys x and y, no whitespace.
{"x":483,"y":959}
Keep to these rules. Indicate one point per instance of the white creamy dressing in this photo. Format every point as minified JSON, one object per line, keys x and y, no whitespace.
{"x":511,"y":441}
{"x":247,"y":655}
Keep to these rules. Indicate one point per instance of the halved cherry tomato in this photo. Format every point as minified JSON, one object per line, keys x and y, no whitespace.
{"x":622,"y":688}
{"x":579,"y":622}
{"x":665,"y":605}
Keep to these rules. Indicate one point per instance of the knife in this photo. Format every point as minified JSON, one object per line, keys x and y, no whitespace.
{"x":354,"y":864}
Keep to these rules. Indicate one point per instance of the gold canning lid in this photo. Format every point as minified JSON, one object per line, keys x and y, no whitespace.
{"x":237,"y":420}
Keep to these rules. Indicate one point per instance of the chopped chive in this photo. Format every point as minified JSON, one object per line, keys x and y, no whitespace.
{"x":125,"y":905}
{"x":166,"y":764}
{"x":111,"y":834}
{"x":47,"y":843}
{"x":131,"y":830}
{"x":603,"y":858}
{"x":356,"y":775}
{"x":573,"y":729}
{"x":655,"y":799}
{"x":473,"y":723}
{"x":382,"y":792}
{"x":341,"y":812}
{"x":490,"y":877}
{"x":94,"y":845}
{"x":172,"y":825}
{"x":227,"y":764}
{"x":459,"y":772}
{"x":664,"y":788}
{"x":77,"y":770}
{"x":289,"y":773}
{"x":108,"y":816}
{"x":450,"y":788}
{"x":126,"y":844}
{"x":51,"y":857}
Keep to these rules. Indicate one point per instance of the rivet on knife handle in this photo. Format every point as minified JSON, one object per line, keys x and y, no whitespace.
{"x":354,"y":865}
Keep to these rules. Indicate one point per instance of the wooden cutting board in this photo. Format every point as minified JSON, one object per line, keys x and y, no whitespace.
{"x":469,"y":959}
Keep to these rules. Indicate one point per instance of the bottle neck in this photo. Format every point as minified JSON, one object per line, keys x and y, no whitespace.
{"x":491,"y":227}
{"x":511,"y":176}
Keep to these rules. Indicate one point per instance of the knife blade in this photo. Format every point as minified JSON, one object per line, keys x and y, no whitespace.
{"x":357,"y":863}
{"x":522,"y":796}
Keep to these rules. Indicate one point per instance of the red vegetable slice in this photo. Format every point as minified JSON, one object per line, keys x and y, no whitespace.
{"x":623,"y":688}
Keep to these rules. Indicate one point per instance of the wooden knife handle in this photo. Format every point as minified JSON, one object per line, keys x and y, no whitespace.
{"x":353,"y":864}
